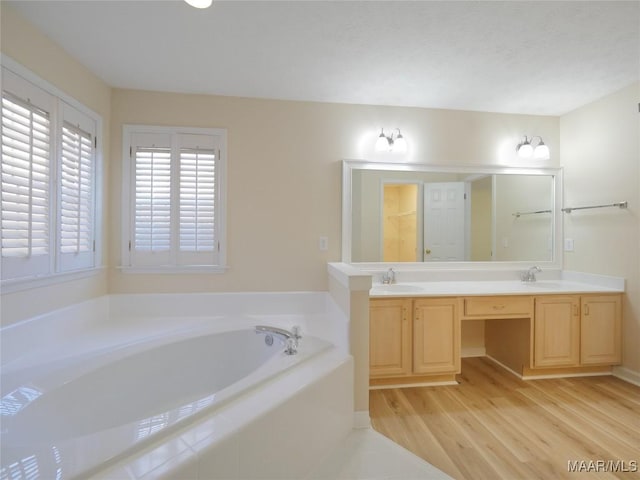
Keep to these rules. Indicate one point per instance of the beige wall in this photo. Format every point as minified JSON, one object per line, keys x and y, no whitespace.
{"x":23,"y":43}
{"x":600,"y":155}
{"x":284,"y":175}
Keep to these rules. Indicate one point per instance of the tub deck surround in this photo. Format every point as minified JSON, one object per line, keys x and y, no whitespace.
{"x":154,"y":377}
{"x":122,"y":320}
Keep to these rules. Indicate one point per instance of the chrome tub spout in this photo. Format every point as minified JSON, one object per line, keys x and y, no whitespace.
{"x":290,"y":337}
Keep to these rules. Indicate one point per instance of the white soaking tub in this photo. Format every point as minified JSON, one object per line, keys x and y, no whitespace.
{"x":96,"y":412}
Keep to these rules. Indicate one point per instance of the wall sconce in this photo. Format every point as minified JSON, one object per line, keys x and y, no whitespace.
{"x":392,"y":143}
{"x":526,"y":150}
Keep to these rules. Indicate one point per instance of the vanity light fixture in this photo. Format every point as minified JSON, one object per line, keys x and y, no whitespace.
{"x":199,"y":3}
{"x":391,"y":143}
{"x":526,"y":150}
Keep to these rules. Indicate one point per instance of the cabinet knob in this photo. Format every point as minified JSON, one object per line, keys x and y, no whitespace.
{"x":427,"y":251}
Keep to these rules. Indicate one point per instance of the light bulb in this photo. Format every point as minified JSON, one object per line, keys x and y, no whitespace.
{"x":541,"y":152}
{"x":525,"y":150}
{"x":400,"y":145}
{"x":382,"y":144}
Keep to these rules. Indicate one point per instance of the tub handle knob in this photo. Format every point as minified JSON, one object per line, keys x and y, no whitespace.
{"x":295,"y":330}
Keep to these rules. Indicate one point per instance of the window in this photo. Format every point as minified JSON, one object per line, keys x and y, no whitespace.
{"x":48,"y":175}
{"x":174,"y":198}
{"x":26,"y":156}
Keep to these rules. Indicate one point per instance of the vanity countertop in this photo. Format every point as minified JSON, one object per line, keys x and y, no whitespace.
{"x":469,"y":288}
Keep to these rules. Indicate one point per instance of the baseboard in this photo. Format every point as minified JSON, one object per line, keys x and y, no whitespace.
{"x":467,"y":352}
{"x":627,"y":375}
{"x":565,"y":375}
{"x":414,"y":384}
{"x":361,"y":419}
{"x":544,"y":376}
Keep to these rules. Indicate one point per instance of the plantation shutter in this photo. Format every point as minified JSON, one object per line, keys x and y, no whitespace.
{"x":174,"y":195}
{"x":197,"y":237}
{"x":151,"y":193}
{"x":26,"y":176}
{"x":77,"y":191}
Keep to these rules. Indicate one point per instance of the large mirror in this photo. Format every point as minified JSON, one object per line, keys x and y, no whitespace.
{"x":459,"y":215}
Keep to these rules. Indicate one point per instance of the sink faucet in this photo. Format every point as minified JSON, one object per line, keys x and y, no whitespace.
{"x":530,"y":275}
{"x":290,"y":337}
{"x":389,"y":277}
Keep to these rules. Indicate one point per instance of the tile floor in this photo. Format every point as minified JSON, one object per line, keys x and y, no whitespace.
{"x":367,"y":455}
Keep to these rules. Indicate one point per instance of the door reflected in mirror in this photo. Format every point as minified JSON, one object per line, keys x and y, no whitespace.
{"x":400,"y":222}
{"x":410,"y":215}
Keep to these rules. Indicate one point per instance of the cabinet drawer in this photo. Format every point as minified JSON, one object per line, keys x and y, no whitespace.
{"x":497,"y":306}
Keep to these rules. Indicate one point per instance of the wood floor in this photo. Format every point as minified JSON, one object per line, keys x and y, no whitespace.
{"x":496,"y":426}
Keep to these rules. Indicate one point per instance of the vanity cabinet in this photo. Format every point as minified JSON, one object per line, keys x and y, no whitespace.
{"x":418,"y":340}
{"x":556,"y":331}
{"x":574,"y":330}
{"x":389,"y":337}
{"x":502,"y":306}
{"x":600,"y":330}
{"x":436,"y":336}
{"x":414,"y":338}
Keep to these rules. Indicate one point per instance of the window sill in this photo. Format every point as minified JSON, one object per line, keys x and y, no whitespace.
{"x":171,"y":270}
{"x":28,"y":283}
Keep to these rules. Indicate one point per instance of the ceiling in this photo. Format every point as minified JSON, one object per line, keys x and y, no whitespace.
{"x":533,"y":57}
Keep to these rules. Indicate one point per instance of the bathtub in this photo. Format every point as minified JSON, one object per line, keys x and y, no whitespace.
{"x":170,"y":403}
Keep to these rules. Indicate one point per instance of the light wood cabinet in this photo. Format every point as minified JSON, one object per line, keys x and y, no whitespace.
{"x":418,"y":340}
{"x":436,"y":336}
{"x":498,"y":306}
{"x":574,"y":330}
{"x":389,"y":337}
{"x":556,"y":331}
{"x":600,"y":330}
{"x":414,"y":338}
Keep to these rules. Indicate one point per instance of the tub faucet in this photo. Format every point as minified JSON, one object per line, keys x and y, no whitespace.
{"x":389,"y":277}
{"x":530,"y":275}
{"x":290,"y":337}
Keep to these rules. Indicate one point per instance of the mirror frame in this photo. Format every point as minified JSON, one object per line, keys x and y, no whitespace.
{"x":349,"y":166}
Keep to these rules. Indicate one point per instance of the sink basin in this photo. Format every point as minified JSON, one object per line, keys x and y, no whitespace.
{"x":395,"y":288}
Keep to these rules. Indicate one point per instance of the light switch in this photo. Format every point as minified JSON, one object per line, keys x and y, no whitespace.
{"x":323,"y":244}
{"x":568,"y":244}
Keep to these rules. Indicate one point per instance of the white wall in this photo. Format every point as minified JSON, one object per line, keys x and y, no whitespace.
{"x":26,"y":45}
{"x":528,"y":237}
{"x":600,"y":152}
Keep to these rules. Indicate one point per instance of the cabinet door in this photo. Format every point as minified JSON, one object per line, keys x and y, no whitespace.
{"x":389,"y":337}
{"x":556,"y":331}
{"x":436,"y":336}
{"x":600,"y":327}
